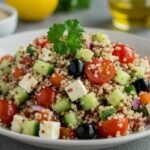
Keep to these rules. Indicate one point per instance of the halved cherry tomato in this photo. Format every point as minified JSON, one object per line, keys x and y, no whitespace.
{"x":111,"y":127}
{"x":18,"y":72}
{"x":41,"y":42}
{"x":45,"y":96}
{"x":145,"y":98}
{"x":55,"y":79}
{"x":125,"y":53}
{"x":66,"y":133}
{"x":100,"y":71}
{"x":7,"y":57}
{"x":7,"y":110}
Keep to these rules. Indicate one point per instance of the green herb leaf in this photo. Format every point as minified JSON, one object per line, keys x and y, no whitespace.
{"x":67,"y":37}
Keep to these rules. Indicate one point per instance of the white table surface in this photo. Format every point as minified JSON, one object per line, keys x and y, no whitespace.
{"x":98,"y":16}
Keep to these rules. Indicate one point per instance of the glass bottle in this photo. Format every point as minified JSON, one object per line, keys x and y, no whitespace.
{"x":129,"y":14}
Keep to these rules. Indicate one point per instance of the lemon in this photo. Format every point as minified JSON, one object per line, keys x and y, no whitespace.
{"x":33,"y":10}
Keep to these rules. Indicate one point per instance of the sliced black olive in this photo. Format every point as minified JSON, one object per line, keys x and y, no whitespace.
{"x":76,"y":68}
{"x":86,"y":131}
{"x":141,"y":85}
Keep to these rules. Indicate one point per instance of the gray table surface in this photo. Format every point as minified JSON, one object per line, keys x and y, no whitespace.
{"x":98,"y":16}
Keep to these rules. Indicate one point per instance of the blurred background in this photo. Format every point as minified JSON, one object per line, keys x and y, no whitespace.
{"x":125,"y":15}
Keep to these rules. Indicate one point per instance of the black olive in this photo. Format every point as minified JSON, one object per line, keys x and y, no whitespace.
{"x":86,"y":131}
{"x":141,"y":85}
{"x":76,"y":68}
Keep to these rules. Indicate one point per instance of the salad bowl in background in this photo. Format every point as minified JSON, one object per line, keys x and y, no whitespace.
{"x":10,"y":45}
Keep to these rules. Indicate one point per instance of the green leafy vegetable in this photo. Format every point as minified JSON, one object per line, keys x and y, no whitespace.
{"x":67,"y":37}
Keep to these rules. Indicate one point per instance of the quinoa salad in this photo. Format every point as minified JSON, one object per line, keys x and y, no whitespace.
{"x":70,"y":84}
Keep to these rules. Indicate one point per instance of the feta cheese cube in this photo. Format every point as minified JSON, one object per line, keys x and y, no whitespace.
{"x":76,"y":90}
{"x":28,"y":82}
{"x":49,"y":130}
{"x":46,"y":55}
{"x":148,"y":108}
{"x":17,"y":123}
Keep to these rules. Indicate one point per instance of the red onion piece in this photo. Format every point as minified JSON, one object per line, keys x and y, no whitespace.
{"x":136,"y":104}
{"x":91,"y":45}
{"x":37,"y":108}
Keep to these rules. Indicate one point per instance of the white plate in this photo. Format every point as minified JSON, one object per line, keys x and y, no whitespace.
{"x":11,"y":43}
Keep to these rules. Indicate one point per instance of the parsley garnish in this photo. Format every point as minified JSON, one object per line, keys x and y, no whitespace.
{"x":67,"y":37}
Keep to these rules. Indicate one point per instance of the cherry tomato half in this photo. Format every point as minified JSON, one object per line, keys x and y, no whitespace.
{"x":7,"y":110}
{"x":100,"y":71}
{"x":7,"y":57}
{"x":18,"y":72}
{"x":45,"y":96}
{"x":42,"y":43}
{"x":125,"y":53}
{"x":111,"y":127}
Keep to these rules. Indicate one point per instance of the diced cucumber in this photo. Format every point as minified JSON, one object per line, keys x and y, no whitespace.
{"x":115,"y":97}
{"x":71,"y":119}
{"x":139,"y":71}
{"x":5,"y":66}
{"x":89,"y":101}
{"x":43,"y":68}
{"x":130,"y":89}
{"x":101,"y":37}
{"x":122,"y":77}
{"x":85,"y":54}
{"x":31,"y":51}
{"x":30,"y":128}
{"x":106,"y":112}
{"x":19,"y":95}
{"x":61,"y":105}
{"x":3,"y":87}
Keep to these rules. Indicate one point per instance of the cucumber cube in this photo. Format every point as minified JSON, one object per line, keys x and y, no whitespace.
{"x":61,"y":105}
{"x":89,"y":101}
{"x":130,"y":89}
{"x":43,"y":68}
{"x":19,"y":95}
{"x":5,"y":66}
{"x":139,"y":71}
{"x":106,"y":112}
{"x":84,"y":54}
{"x":3,"y":87}
{"x":30,"y":128}
{"x":122,"y":77}
{"x":101,"y":37}
{"x":71,"y":119}
{"x":115,"y":97}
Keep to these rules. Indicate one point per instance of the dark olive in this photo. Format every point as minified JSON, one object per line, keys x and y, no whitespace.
{"x":76,"y":68}
{"x":141,"y":85}
{"x":86,"y":131}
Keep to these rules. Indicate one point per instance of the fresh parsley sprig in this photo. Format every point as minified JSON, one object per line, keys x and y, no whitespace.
{"x":67,"y":37}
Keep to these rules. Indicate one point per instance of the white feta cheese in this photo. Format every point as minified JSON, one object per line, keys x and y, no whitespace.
{"x":17,"y":123}
{"x":76,"y":90}
{"x":28,"y":82}
{"x":148,"y":108}
{"x":49,"y":130}
{"x":46,"y":55}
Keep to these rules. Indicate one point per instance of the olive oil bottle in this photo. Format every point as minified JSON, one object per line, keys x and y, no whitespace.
{"x":129,"y":14}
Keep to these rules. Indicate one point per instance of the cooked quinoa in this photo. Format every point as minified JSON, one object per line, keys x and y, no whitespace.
{"x":102,"y":91}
